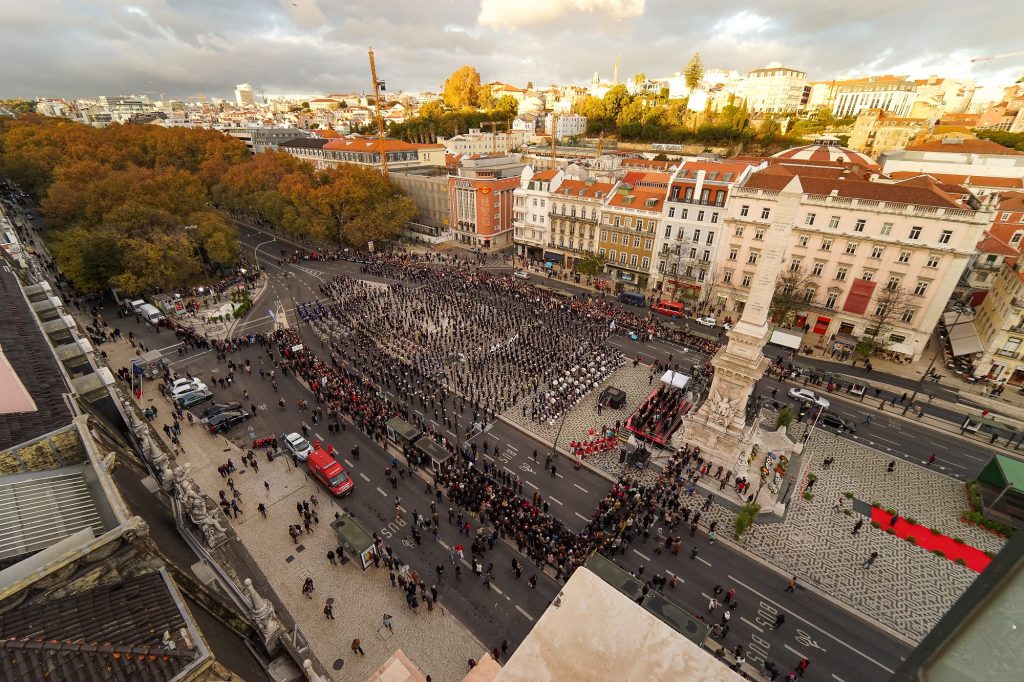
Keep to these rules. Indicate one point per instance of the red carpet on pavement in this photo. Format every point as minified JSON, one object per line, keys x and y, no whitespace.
{"x":975,"y":558}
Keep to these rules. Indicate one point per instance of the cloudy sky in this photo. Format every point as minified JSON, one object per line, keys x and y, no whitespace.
{"x":83,"y":48}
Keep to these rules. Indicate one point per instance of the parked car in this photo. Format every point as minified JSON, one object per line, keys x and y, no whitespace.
{"x":632,"y":298}
{"x":837,"y":422}
{"x":178,"y":391}
{"x":297,"y":445}
{"x":727,"y":326}
{"x":705,"y":321}
{"x":185,"y":381}
{"x":809,"y":396}
{"x":217,"y":408}
{"x":521,"y":274}
{"x":223,"y":422}
{"x":194,"y":398}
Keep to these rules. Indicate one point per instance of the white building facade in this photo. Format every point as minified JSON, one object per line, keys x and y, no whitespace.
{"x":857,"y":241}
{"x":891,"y":94}
{"x":477,"y":142}
{"x":569,"y":125}
{"x":530,"y":220}
{"x":774,"y":89}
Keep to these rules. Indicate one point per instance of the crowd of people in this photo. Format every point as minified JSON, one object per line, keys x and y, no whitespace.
{"x":659,"y":416}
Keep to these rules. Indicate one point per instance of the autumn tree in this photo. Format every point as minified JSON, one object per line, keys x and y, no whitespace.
{"x":432,"y":109}
{"x":591,"y":264}
{"x":694,"y":71}
{"x":462,"y":89}
{"x":615,"y":100}
{"x":794,"y":290}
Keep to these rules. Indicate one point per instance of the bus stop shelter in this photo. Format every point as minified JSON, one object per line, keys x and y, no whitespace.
{"x":355,"y":539}
{"x":401,"y":432}
{"x":437,"y":453}
{"x":1002,"y":489}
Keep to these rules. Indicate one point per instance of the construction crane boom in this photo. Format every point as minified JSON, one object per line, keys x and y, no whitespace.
{"x":989,"y":58}
{"x":380,"y":119}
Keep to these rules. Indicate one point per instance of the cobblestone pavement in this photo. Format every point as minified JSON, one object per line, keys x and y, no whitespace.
{"x":908,"y":588}
{"x":436,"y":641}
{"x":634,"y":381}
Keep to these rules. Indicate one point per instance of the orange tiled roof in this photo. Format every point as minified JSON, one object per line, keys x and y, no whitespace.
{"x":548,"y":174}
{"x":996,"y":246}
{"x":583,"y":190}
{"x":958,"y":179}
{"x":638,"y":198}
{"x":776,"y":177}
{"x":967,"y":146}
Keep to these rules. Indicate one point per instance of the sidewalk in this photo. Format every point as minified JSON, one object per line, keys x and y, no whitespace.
{"x":436,"y":641}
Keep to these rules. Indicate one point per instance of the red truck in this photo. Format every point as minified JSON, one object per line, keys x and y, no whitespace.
{"x":327,"y":470}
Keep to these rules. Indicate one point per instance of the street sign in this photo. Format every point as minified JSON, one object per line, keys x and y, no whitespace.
{"x":296,"y":348}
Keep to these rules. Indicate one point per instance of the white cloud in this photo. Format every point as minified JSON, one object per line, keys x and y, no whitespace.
{"x":742,"y":25}
{"x":516,"y":13}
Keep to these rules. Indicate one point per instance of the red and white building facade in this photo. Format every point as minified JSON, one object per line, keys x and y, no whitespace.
{"x":481,"y":200}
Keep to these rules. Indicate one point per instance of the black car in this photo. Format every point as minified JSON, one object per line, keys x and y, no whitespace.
{"x":217,"y":408}
{"x":225,"y":420}
{"x":838,"y":422}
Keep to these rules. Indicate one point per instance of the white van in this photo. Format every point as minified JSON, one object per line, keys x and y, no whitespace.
{"x":150,"y":313}
{"x":136,"y":305}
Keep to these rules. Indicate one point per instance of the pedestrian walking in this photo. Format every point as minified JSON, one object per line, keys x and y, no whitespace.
{"x":387,"y":622}
{"x":693,"y":553}
{"x":779,"y":620}
{"x":891,"y":467}
{"x":931,"y":459}
{"x":262,"y":509}
{"x":330,"y":557}
{"x":356,"y":648}
{"x":307,"y":588}
{"x":857,"y":526}
{"x":791,"y":587}
{"x":870,"y":560}
{"x":329,"y":609}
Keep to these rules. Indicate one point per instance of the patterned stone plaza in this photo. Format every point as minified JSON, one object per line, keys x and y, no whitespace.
{"x":908,"y":589}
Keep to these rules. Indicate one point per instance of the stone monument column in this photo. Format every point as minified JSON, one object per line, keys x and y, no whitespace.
{"x":719,"y":427}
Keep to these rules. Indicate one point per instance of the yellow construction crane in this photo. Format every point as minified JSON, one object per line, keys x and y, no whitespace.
{"x":377,"y":87}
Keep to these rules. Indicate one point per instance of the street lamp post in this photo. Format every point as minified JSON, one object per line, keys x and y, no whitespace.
{"x":255,"y":250}
{"x":960,"y":310}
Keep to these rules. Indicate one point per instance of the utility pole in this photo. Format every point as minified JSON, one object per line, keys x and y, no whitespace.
{"x":377,"y":87}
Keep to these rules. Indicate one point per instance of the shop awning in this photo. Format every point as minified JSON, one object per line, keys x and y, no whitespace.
{"x":786,"y":339}
{"x":963,"y":336}
{"x":903,"y":348}
{"x":553,"y":257}
{"x":846,"y":339}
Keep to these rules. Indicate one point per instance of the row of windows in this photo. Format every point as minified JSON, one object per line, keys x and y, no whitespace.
{"x":712,"y":216}
{"x":648,"y":243}
{"x":704,"y":199}
{"x":624,"y":257}
{"x":710,"y":239}
{"x":832,"y":298}
{"x":572,"y":213}
{"x":678,"y":251}
{"x":858,"y":226}
{"x":877,"y":252}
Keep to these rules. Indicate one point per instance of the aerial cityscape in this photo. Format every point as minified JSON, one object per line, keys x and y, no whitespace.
{"x":513,"y":341}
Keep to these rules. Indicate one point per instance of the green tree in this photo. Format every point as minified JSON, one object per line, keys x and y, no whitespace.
{"x":462,"y":89}
{"x":591,"y":264}
{"x":745,"y":518}
{"x":633,"y":112}
{"x":506,"y":107}
{"x":694,"y":71}
{"x":432,"y":109}
{"x":615,"y":100}
{"x":890,"y":304}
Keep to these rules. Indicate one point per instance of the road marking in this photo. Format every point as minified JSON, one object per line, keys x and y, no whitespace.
{"x":581,"y":487}
{"x":349,"y":463}
{"x":496,"y":588}
{"x":364,"y":477}
{"x":555,"y":500}
{"x":511,"y":447}
{"x":836,"y":677}
{"x":531,"y":485}
{"x":319,"y":437}
{"x":756,"y":627}
{"x":642,"y":556}
{"x":382,"y":492}
{"x":559,"y":475}
{"x":824,"y":632}
{"x":520,"y":610}
{"x":441,"y":542}
{"x":794,"y":651}
{"x":489,"y":458}
{"x":701,"y":559}
{"x":161,"y":350}
{"x":509,"y":470}
{"x":582,"y":516}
